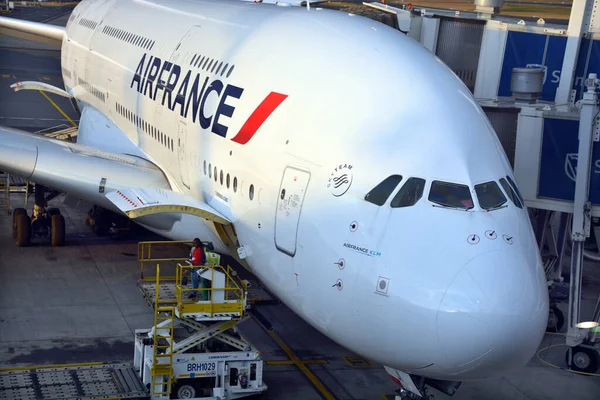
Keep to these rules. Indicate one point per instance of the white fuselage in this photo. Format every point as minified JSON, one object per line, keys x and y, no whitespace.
{"x":236,"y":102}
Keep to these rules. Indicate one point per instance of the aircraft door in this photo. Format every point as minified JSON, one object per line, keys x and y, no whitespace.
{"x":289,"y":204}
{"x":181,"y":153}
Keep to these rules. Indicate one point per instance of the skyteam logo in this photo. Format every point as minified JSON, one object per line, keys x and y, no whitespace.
{"x":189,"y":93}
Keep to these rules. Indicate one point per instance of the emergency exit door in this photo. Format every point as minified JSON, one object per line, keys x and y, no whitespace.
{"x":289,"y":205}
{"x":181,"y":154}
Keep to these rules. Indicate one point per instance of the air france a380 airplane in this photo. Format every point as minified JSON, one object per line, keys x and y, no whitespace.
{"x":373,"y":197}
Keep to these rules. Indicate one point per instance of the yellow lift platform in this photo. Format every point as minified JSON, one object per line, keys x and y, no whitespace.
{"x":194,"y":350}
{"x":168,"y":254}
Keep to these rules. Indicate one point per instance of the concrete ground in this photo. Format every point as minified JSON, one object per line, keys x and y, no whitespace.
{"x":80,"y":303}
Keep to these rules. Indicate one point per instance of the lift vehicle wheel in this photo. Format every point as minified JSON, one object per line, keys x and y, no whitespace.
{"x":16,"y":213}
{"x":556,"y":320}
{"x":53,"y":211}
{"x":23,"y":230}
{"x":184,"y":390}
{"x":585,"y":359}
{"x":58,"y":230}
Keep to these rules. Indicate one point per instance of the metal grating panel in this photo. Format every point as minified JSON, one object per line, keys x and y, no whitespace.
{"x":504,"y":121}
{"x":70,"y":383}
{"x":459,"y":45}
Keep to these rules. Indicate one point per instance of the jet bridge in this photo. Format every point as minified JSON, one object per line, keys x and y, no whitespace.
{"x":537,"y":81}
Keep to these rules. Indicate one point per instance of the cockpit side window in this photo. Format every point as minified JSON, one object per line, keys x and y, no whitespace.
{"x":489,"y":195}
{"x":511,"y":193}
{"x":409,"y":194}
{"x":516,"y":189}
{"x":451,"y":195}
{"x":380,"y":193}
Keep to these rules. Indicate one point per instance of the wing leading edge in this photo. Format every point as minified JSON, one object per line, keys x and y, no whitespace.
{"x":37,"y":31}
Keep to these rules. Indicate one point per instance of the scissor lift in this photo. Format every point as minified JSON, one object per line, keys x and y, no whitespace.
{"x":194,"y":349}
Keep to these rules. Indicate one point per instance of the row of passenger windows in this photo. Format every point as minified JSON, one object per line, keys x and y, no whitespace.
{"x":66,"y":72}
{"x":150,"y":129}
{"x":212,"y":65}
{"x":446,"y":194}
{"x":128,"y":37}
{"x":87,"y":23}
{"x":92,"y":89}
{"x":226,"y":180}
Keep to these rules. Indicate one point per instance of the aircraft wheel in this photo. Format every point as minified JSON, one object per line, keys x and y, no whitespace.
{"x":58,"y":230}
{"x":53,"y":211}
{"x":100,"y":222}
{"x":184,"y":391}
{"x":16,"y":213}
{"x":556,"y":320}
{"x":23,"y":231}
{"x":584,"y":359}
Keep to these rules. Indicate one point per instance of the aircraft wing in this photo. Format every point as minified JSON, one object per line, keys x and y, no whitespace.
{"x":37,"y":31}
{"x":142,"y":202}
{"x":122,"y":183}
{"x":79,"y":170}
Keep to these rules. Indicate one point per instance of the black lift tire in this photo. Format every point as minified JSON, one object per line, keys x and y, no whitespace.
{"x":585,"y":359}
{"x":16,"y":213}
{"x":556,"y":320}
{"x":58,"y":230}
{"x":53,"y":211}
{"x":184,"y":390}
{"x":23,"y":231}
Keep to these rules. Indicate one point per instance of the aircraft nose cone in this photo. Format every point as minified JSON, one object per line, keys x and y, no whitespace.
{"x":493,"y":315}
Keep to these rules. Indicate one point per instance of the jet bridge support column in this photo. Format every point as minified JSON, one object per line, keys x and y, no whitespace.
{"x":580,"y":22}
{"x":588,"y":134}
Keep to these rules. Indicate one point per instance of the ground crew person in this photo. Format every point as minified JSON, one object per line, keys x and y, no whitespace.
{"x":196,"y":258}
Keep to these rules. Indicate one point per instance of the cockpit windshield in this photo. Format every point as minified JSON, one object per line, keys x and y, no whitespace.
{"x":490,"y":196}
{"x":451,"y":195}
{"x":409,"y":193}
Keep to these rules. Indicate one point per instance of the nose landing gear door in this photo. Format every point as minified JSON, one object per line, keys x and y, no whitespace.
{"x":289,"y":204}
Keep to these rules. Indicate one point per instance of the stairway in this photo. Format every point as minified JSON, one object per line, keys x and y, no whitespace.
{"x":162,"y":361}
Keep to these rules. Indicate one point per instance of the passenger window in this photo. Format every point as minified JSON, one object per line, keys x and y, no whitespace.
{"x":381,"y":192}
{"x":511,"y":193}
{"x":452,"y":195}
{"x":209,"y":171}
{"x":251,"y":192}
{"x":204,"y":167}
{"x":221,"y":177}
{"x":409,"y":194}
{"x":489,"y":195}
{"x":215,"y":175}
{"x":227,"y":181}
{"x":235,"y":184}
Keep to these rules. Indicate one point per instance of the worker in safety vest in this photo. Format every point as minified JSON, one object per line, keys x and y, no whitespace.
{"x":196,"y":258}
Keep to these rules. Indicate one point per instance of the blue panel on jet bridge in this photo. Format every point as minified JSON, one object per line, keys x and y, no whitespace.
{"x":558,"y":164}
{"x":526,"y":49}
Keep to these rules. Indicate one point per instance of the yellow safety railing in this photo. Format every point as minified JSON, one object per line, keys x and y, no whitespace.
{"x":146,"y":250}
{"x":234,"y":293}
{"x":162,"y":361}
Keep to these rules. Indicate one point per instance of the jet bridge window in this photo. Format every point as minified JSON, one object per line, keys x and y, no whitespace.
{"x":380,"y":193}
{"x":452,"y":195}
{"x":409,"y":193}
{"x":512,"y":195}
{"x":489,"y":195}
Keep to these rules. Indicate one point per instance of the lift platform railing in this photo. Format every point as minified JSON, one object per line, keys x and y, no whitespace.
{"x":225,"y":298}
{"x":147,"y":253}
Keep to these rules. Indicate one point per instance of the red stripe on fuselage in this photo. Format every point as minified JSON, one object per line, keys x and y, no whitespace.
{"x":260,"y":115}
